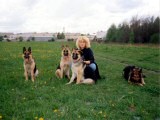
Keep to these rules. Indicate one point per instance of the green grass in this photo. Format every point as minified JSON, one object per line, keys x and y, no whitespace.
{"x":111,"y":98}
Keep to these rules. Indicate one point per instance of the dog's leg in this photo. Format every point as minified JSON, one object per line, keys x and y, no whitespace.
{"x":68,"y":74}
{"x":129,"y":77}
{"x":26,"y":75}
{"x":72,"y":78}
{"x":79,"y":77}
{"x":143,"y":81}
{"x":61,"y":75}
{"x":88,"y":81}
{"x":32,"y":71}
{"x":58,"y":73}
{"x":32,"y":75}
{"x":140,"y":84}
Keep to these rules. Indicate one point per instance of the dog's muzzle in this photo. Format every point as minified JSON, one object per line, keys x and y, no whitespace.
{"x":75,"y":56}
{"x":26,"y":56}
{"x":65,"y":53}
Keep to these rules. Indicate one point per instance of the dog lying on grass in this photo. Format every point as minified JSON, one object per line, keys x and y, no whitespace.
{"x":134,"y":75}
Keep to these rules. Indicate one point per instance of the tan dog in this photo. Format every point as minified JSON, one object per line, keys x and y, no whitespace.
{"x":64,"y":67}
{"x":30,"y":69}
{"x":78,"y":68}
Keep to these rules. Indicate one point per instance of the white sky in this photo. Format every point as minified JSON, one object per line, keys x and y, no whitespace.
{"x":84,"y":16}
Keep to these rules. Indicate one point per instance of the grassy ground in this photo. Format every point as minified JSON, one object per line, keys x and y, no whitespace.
{"x":49,"y":98}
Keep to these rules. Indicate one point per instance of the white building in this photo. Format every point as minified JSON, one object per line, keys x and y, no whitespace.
{"x":101,"y":35}
{"x":28,"y":36}
{"x":45,"y":36}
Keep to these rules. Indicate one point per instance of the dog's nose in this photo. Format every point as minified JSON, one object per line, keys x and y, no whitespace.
{"x":26,"y":56}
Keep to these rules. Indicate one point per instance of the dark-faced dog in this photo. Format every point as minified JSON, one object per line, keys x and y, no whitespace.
{"x":30,"y":69}
{"x":78,"y":68}
{"x":134,"y":75}
{"x":64,"y":67}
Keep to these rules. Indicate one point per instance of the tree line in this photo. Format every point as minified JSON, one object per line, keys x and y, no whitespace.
{"x":60,"y":35}
{"x":138,"y":30}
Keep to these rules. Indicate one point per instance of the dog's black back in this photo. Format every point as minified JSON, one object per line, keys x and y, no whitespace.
{"x":127,"y":70}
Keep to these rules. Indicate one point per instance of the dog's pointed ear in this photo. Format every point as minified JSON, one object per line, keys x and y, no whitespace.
{"x":29,"y":49}
{"x":132,"y":67}
{"x":80,"y":52}
{"x":24,"y":49}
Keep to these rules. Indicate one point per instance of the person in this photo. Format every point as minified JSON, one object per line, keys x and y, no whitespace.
{"x":91,"y":70}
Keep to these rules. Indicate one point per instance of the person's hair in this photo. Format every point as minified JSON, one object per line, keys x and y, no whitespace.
{"x":85,"y":39}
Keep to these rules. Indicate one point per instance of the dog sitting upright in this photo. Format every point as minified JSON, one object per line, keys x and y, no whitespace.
{"x":30,"y":69}
{"x":63,"y":68}
{"x":78,"y":69}
{"x":134,"y":75}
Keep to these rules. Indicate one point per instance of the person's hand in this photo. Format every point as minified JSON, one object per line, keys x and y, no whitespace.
{"x":87,"y":62}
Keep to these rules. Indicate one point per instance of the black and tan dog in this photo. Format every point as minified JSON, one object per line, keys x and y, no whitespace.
{"x":30,"y":69}
{"x":78,"y":68}
{"x":63,"y":68}
{"x":134,"y":75}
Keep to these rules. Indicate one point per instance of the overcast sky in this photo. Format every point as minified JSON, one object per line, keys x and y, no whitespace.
{"x":85,"y":16}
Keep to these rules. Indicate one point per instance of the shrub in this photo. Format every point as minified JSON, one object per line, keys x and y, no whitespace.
{"x":155,"y":38}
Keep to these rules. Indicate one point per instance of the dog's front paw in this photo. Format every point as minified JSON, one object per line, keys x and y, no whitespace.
{"x":143,"y":83}
{"x":140,"y":84}
{"x":68,"y":83}
{"x":78,"y":83}
{"x":33,"y":80}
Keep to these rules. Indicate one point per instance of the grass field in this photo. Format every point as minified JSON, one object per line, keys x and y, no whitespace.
{"x":49,"y":98}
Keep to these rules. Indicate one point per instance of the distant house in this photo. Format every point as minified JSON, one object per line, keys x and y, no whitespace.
{"x":41,"y":38}
{"x":72,"y":36}
{"x":5,"y":35}
{"x":101,"y":35}
{"x":45,"y":36}
{"x":33,"y":36}
{"x":91,"y":37}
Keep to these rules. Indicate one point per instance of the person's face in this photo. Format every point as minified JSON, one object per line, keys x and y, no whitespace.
{"x":82,"y":44}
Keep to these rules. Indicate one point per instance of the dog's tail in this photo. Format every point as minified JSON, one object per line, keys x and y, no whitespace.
{"x":36,"y":73}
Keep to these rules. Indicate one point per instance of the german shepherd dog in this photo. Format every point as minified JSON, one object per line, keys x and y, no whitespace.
{"x":134,"y":75}
{"x":78,"y":68}
{"x":30,"y":69}
{"x":63,"y":68}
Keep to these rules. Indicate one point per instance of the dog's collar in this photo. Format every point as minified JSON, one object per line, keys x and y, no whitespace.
{"x":65,"y":57}
{"x":78,"y":62}
{"x":29,"y":62}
